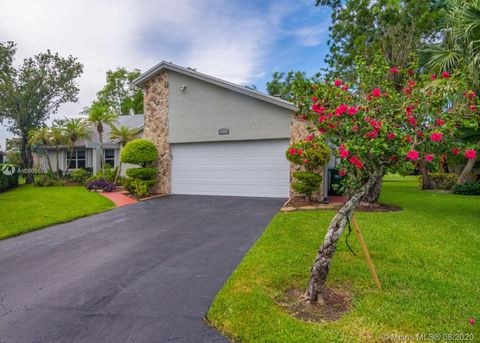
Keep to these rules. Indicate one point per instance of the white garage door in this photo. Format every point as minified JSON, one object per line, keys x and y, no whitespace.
{"x":241,"y":168}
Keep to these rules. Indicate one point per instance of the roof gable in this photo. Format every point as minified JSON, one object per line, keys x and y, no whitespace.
{"x":140,"y":82}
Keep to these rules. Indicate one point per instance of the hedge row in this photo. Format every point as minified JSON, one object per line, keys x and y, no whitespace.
{"x":8,"y":176}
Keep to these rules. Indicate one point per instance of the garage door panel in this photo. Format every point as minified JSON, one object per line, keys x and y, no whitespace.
{"x":253,"y":168}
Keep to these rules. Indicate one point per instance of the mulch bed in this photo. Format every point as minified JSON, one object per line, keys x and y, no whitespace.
{"x":335,"y":303}
{"x":303,"y":203}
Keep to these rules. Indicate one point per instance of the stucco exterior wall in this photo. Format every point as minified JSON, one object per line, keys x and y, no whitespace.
{"x":197,"y":112}
{"x":156,"y":128}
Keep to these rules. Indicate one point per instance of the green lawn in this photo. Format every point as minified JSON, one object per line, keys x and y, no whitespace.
{"x":427,"y":257}
{"x":28,"y":208}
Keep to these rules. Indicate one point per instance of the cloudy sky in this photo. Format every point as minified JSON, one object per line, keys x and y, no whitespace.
{"x":242,"y":41}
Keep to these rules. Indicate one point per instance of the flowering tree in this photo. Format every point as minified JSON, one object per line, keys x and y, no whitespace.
{"x":392,"y":118}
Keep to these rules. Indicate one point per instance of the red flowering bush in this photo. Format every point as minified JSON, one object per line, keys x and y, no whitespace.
{"x":389,"y":119}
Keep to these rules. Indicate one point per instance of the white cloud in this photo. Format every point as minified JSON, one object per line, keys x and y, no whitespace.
{"x":217,"y":37}
{"x":311,"y":35}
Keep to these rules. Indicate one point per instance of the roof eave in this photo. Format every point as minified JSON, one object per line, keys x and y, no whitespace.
{"x":141,"y":80}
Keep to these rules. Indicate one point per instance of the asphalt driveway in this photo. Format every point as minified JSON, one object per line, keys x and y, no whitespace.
{"x":142,"y":273}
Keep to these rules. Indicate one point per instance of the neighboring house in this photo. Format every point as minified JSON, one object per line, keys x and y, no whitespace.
{"x":215,"y":137}
{"x":86,"y":152}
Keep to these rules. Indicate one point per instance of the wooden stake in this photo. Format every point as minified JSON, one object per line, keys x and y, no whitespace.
{"x":365,"y":252}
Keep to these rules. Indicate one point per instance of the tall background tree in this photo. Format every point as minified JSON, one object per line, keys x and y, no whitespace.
{"x":32,"y":92}
{"x":119,"y":95}
{"x":458,"y":48}
{"x":397,"y":28}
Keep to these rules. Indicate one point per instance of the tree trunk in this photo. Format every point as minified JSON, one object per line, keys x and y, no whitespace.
{"x":119,"y":167}
{"x":319,"y":271}
{"x":27,"y":158}
{"x":49,"y":163}
{"x":69,"y":160}
{"x":427,"y":183}
{"x":373,"y":194}
{"x":464,"y":176}
{"x":102,"y":155}
{"x":58,"y":163}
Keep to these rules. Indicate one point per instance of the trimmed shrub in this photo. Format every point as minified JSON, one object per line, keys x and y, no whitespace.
{"x":138,"y":187}
{"x":444,"y":181}
{"x":139,"y":151}
{"x":46,"y":180}
{"x":80,"y":176}
{"x":104,"y":185}
{"x":148,"y":173}
{"x":307,"y":182}
{"x":310,"y":154}
{"x":471,"y":188}
{"x":8,"y":176}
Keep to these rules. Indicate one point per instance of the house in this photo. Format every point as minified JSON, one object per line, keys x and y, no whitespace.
{"x":86,"y":152}
{"x":215,"y":137}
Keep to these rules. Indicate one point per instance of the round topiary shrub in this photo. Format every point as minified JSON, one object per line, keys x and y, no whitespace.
{"x":139,"y":151}
{"x":147,"y":173}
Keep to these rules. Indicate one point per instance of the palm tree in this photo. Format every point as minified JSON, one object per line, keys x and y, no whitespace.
{"x":122,"y":135}
{"x":75,"y":129}
{"x":41,"y":136}
{"x":98,"y":115}
{"x":57,"y":136}
{"x":459,"y":50}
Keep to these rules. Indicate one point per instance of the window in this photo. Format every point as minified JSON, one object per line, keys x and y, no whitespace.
{"x":78,"y":159}
{"x":109,"y":157}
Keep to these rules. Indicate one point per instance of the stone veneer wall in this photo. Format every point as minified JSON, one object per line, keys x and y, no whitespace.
{"x":156,"y":127}
{"x":298,"y":133}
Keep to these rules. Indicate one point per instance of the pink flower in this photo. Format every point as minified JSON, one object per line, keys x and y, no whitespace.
{"x":372,"y":134}
{"x":322,"y":119}
{"x":436,"y":137}
{"x":300,"y":152}
{"x":376,"y":92}
{"x":314,"y":99}
{"x":471,"y":321}
{"x":341,"y":110}
{"x":412,"y":155}
{"x":411,"y":120}
{"x":473,"y":107}
{"x":470,"y":154}
{"x":440,"y":122}
{"x":433,"y":77}
{"x":344,"y":154}
{"x":342,"y":173}
{"x":338,"y":82}
{"x":391,"y":136}
{"x":429,"y":158}
{"x":355,"y":128}
{"x":318,"y":109}
{"x":293,"y":151}
{"x":394,"y":70}
{"x":345,"y":88}
{"x":309,"y":138}
{"x":305,"y":161}
{"x":411,"y":72}
{"x":352,"y":110}
{"x":445,"y":74}
{"x":412,"y":84}
{"x":455,"y":151}
{"x":355,"y":161}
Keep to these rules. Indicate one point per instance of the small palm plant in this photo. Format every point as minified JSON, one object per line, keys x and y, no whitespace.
{"x":98,"y":116}
{"x":74,"y":130}
{"x":122,"y":135}
{"x":41,"y":136}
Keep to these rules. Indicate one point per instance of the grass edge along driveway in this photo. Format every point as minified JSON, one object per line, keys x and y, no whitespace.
{"x":27,"y":208}
{"x":426,"y":257}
